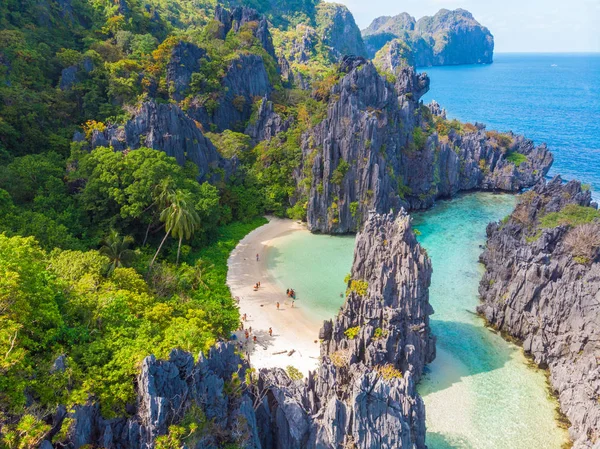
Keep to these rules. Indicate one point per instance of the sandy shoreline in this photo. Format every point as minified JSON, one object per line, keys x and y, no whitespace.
{"x":293,"y":329}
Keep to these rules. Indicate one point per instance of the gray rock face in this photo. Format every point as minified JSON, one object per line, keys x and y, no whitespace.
{"x":363,"y":394}
{"x":535,"y":290}
{"x":392,"y":329}
{"x":447,"y":38}
{"x":68,"y":77}
{"x":164,"y":127}
{"x":458,"y":37}
{"x":267,"y":123}
{"x":240,"y":16}
{"x":185,"y":60}
{"x":246,"y":79}
{"x":338,"y":30}
{"x":365,"y":154}
{"x":394,"y":56}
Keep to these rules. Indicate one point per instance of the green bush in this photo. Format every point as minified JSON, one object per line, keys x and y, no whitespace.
{"x":570,"y":215}
{"x":352,"y":332}
{"x":516,"y":158}
{"x":338,"y":174}
{"x":294,"y":373}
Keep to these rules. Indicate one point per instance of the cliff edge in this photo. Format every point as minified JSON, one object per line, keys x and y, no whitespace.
{"x":542,"y":286}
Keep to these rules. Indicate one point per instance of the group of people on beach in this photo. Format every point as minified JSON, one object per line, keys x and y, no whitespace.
{"x":248,"y":331}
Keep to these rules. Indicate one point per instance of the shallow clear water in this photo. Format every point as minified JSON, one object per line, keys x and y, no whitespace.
{"x":552,"y":98}
{"x":479,"y":392}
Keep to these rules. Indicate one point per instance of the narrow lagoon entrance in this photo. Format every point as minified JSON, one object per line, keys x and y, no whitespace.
{"x":480,"y":392}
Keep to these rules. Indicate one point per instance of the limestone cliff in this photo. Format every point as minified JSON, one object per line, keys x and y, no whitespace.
{"x":447,"y":38}
{"x":378,"y":149}
{"x":338,"y":30}
{"x":542,"y":286}
{"x":363,"y":394}
{"x":164,"y":127}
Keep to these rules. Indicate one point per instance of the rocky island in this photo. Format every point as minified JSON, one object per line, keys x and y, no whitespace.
{"x":447,"y":38}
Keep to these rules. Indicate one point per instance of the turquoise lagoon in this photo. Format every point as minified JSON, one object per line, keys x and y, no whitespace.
{"x":480,"y":392}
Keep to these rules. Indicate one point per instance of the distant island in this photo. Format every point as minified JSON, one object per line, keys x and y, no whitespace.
{"x":447,"y":38}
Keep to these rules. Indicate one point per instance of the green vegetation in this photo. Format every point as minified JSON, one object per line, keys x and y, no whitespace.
{"x":105,"y":319}
{"x":516,"y":158}
{"x":570,"y":215}
{"x":352,"y":332}
{"x":294,"y":373}
{"x":338,"y":174}
{"x":388,"y":372}
{"x":359,"y":287}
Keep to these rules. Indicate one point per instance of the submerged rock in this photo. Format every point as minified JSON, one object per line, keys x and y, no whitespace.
{"x":542,"y":286}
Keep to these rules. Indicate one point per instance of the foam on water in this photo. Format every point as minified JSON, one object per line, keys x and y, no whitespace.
{"x":480,"y":391}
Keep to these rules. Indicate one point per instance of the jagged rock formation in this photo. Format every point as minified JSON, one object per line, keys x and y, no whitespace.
{"x":394,"y":56}
{"x":246,"y":76}
{"x":164,"y":127}
{"x":363,"y":394}
{"x":372,"y":152}
{"x":240,"y":16}
{"x":246,"y":79}
{"x":541,"y":288}
{"x":447,"y":38}
{"x":267,"y":123}
{"x":185,"y":60}
{"x":338,"y":30}
{"x":70,"y":75}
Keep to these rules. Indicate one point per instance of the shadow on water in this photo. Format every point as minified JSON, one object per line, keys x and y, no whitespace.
{"x":440,"y":441}
{"x":471,"y":347}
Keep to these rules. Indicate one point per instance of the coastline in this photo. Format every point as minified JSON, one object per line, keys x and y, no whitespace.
{"x":293,"y":329}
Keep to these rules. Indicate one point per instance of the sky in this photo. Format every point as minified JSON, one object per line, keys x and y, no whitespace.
{"x":517,"y":25}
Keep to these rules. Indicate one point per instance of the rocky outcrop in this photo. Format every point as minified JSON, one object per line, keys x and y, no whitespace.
{"x":241,"y":16}
{"x":267,"y":123}
{"x":447,"y":38}
{"x":246,"y":79}
{"x":184,"y":62}
{"x":394,"y":56}
{"x":164,"y":127}
{"x":542,"y":286}
{"x":338,"y":31}
{"x":70,"y":75}
{"x":377,"y":150}
{"x":363,"y":394}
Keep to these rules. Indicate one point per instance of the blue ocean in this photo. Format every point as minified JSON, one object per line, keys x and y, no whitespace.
{"x":551,"y":98}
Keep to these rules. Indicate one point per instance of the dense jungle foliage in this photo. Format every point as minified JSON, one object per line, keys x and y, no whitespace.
{"x":105,"y":256}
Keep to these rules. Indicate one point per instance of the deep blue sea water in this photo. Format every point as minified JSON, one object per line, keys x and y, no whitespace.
{"x":551,"y":98}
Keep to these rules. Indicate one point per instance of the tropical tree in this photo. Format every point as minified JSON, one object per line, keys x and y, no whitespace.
{"x":116,"y":248}
{"x":180,"y":218}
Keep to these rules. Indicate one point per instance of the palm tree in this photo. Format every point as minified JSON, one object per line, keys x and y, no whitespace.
{"x":180,"y":218}
{"x":116,"y":248}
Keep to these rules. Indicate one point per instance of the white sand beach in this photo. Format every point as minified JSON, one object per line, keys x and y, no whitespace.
{"x":293,"y":329}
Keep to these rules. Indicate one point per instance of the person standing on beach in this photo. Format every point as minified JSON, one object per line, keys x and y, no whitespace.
{"x":257,"y":257}
{"x":270,"y":332}
{"x":277,"y":305}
